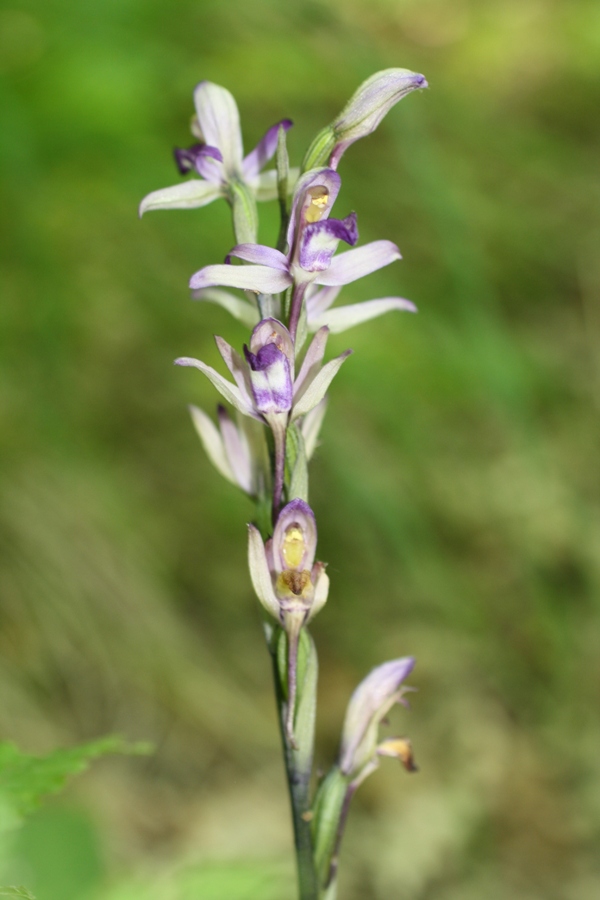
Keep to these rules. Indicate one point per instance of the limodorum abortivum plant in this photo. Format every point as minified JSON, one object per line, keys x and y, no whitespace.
{"x":265,"y":433}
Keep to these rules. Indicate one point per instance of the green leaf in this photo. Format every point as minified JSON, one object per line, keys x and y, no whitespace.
{"x":328,"y":805}
{"x":25,"y":779}
{"x":245,"y":215}
{"x":296,"y":469}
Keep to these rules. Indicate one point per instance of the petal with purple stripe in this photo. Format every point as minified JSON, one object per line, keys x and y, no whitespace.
{"x":264,"y":150}
{"x":186,"y":159}
{"x":261,"y":255}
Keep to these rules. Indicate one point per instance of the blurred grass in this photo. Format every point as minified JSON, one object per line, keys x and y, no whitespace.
{"x":456,"y":487}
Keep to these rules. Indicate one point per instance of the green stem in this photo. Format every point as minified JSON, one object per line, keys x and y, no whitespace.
{"x":298,"y":767}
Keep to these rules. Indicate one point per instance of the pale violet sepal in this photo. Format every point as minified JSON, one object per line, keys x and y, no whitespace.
{"x":260,"y":574}
{"x":212,"y":442}
{"x":230,"y":392}
{"x":343,"y":317}
{"x":313,"y":391}
{"x":237,"y":449}
{"x":261,"y":279}
{"x":311,"y":427}
{"x":358,"y":262}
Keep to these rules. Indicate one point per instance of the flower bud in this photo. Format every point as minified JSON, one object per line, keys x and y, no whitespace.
{"x":369,"y":704}
{"x":362,"y":114}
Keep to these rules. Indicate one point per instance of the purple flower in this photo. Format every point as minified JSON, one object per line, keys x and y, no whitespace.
{"x":312,"y":241}
{"x":290,"y":585}
{"x":218,"y":158}
{"x":266,"y":387}
{"x":287,"y":581}
{"x":368,"y":706}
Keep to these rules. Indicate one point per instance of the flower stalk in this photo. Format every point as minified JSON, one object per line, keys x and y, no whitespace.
{"x":278,"y":393}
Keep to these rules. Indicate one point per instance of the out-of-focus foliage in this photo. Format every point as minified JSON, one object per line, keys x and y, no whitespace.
{"x":25,"y":779}
{"x":456,"y":489}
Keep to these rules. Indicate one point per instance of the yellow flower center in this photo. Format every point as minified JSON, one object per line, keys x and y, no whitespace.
{"x":319,"y":197}
{"x":293,"y":546}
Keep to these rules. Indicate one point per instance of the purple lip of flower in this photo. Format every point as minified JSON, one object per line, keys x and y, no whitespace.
{"x":190,"y":158}
{"x":319,"y":241}
{"x":266,"y":357}
{"x":270,"y":379}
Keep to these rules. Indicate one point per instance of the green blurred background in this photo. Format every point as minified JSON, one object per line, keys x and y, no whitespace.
{"x":456,"y":487}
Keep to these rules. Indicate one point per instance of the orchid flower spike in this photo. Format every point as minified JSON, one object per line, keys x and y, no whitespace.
{"x":368,"y":706}
{"x":265,"y":384}
{"x":218,"y":158}
{"x":361,"y":115}
{"x":290,"y":585}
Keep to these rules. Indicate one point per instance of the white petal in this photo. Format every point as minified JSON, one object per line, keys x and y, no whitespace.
{"x":316,"y":389}
{"x":212,"y":442}
{"x":321,"y":590}
{"x":219,"y":122}
{"x":238,"y":368}
{"x":343,"y":317}
{"x":312,"y":360}
{"x":356,"y":263}
{"x":261,"y":279}
{"x":187,"y":195}
{"x":259,"y":572}
{"x":311,"y":426}
{"x":318,"y":300}
{"x":230,"y":391}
